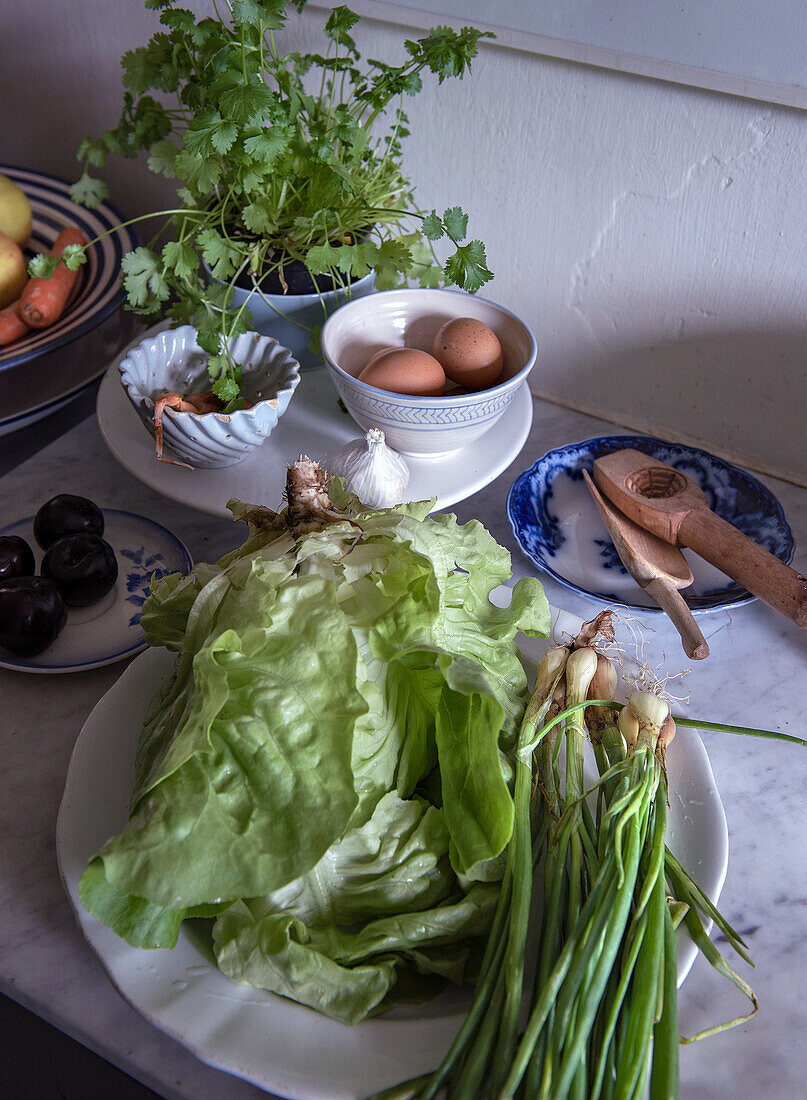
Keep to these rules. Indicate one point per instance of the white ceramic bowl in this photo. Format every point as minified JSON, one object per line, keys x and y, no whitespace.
{"x":411,"y":318}
{"x":173,"y":361}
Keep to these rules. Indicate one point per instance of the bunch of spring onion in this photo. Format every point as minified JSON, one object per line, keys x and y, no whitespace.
{"x":601,"y":995}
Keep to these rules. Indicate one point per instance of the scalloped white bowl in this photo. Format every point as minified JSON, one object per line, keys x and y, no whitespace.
{"x":410,"y":318}
{"x":172,"y":361}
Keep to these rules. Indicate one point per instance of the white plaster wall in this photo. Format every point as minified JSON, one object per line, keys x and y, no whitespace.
{"x":652,"y":235}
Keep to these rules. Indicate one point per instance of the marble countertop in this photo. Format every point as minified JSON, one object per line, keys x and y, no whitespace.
{"x":755,"y":677}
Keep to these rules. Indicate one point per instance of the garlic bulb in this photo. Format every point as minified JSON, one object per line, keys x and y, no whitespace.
{"x":372,"y":470}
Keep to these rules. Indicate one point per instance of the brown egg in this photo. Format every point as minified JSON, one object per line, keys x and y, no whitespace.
{"x":470,"y":353}
{"x":405,"y":370}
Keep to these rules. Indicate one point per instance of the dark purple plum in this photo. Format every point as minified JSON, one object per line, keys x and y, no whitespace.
{"x":32,"y":615}
{"x":67,"y":515}
{"x":16,"y":558}
{"x":83,"y":567}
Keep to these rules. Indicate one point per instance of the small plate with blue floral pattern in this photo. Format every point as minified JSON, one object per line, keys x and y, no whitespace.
{"x":109,"y":630}
{"x":558,"y":526}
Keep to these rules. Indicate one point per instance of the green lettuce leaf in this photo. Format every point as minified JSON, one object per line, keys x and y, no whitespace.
{"x":256,"y":783}
{"x":137,"y":921}
{"x":476,"y":801}
{"x":347,"y":974}
{"x":327,"y":772}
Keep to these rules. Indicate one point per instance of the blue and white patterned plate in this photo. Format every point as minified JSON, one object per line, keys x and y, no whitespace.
{"x":109,"y":630}
{"x":558,"y":526}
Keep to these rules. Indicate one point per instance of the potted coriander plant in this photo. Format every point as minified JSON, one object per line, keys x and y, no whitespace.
{"x":289,"y":173}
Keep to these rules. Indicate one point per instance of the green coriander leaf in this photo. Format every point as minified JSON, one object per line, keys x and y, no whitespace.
{"x":151,"y":315}
{"x":432,"y":226}
{"x":226,"y":388}
{"x":342,"y":126}
{"x":356,"y":142}
{"x":143,"y":277}
{"x":354,"y":260}
{"x":161,"y":64}
{"x":74,"y":256}
{"x":181,"y":259}
{"x":163,"y":158}
{"x":182,"y":311}
{"x":388,"y":84}
{"x":179,"y":19}
{"x":339,"y":173}
{"x":321,"y":258}
{"x":267,"y":145}
{"x":468,"y":267}
{"x":251,"y":178}
{"x":42,"y":266}
{"x":215,"y":302}
{"x":216,"y":364}
{"x":448,"y":52}
{"x":314,"y":341}
{"x":387,"y":278}
{"x":223,"y":137}
{"x":340,"y":21}
{"x":88,"y":191}
{"x":113,"y":142}
{"x":393,"y":262}
{"x":424,"y":267}
{"x":93,"y":152}
{"x":151,"y":122}
{"x":250,"y":12}
{"x":192,"y":95}
{"x":198,"y":172}
{"x":139,"y":69}
{"x":431,"y":277}
{"x":222,"y":256}
{"x":244,"y":104}
{"x":395,"y":252}
{"x":263,"y":14}
{"x":456,"y":223}
{"x":408,"y":84}
{"x":236,"y":323}
{"x":204,"y":31}
{"x":362,"y":258}
{"x":209,"y":133}
{"x":260,"y":216}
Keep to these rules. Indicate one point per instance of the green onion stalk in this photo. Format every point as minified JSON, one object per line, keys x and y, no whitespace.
{"x":595,"y":1015}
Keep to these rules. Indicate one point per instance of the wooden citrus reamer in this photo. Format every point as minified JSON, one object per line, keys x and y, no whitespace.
{"x":657,"y":567}
{"x":668,"y":503}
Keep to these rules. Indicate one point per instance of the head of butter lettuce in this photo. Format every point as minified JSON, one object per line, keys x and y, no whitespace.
{"x":326,"y":774}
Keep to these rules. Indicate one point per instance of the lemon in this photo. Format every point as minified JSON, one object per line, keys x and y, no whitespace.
{"x":15,"y":212}
{"x":13,"y":273}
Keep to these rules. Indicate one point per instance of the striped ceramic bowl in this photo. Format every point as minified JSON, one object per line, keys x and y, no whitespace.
{"x":47,"y":367}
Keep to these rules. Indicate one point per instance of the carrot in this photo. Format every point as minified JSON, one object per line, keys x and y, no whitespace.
{"x":43,"y":300}
{"x":12,"y":326}
{"x":199,"y":403}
